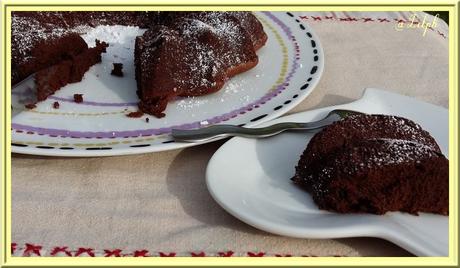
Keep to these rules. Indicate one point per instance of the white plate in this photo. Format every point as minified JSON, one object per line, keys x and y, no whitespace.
{"x":251,"y":179}
{"x":290,"y":66}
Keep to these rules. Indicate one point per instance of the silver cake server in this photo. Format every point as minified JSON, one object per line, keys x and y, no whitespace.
{"x":219,"y":131}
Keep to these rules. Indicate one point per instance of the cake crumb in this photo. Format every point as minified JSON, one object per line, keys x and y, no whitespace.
{"x":78,"y":98}
{"x":30,"y":106}
{"x":117,"y":69}
{"x":102,"y":44}
{"x":56,"y":105}
{"x":136,"y":114}
{"x":147,"y":119}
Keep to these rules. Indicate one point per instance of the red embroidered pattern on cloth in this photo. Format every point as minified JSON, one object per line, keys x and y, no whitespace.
{"x":365,"y":19}
{"x":35,"y":250}
{"x":32,"y":249}
{"x":56,"y":250}
{"x":112,"y":253}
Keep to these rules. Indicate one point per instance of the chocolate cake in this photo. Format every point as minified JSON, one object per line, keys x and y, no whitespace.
{"x":70,"y":70}
{"x":181,"y":53}
{"x":201,"y":49}
{"x":375,"y":164}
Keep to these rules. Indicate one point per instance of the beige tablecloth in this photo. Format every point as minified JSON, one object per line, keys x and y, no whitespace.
{"x":157,"y":204}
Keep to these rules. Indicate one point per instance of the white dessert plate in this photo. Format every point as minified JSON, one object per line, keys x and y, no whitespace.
{"x":290,"y":66}
{"x":250,"y":178}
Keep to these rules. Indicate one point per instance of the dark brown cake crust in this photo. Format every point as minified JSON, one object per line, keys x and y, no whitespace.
{"x":375,"y":164}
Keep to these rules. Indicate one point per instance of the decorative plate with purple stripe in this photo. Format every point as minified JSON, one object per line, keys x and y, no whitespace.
{"x":290,"y":66}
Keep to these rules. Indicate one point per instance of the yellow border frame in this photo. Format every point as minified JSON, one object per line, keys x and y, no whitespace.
{"x":295,"y":5}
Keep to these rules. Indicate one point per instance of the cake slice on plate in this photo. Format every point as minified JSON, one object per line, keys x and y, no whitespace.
{"x":375,"y":164}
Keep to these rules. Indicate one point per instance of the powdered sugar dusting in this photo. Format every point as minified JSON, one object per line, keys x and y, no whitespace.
{"x":204,"y":59}
{"x":395,"y":151}
{"x":113,"y":34}
{"x":209,"y":43}
{"x":27,"y":31}
{"x":121,"y":43}
{"x":388,"y":123}
{"x":191,"y":103}
{"x":374,"y":154}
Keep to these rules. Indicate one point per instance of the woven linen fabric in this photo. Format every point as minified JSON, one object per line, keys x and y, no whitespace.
{"x":157,"y":204}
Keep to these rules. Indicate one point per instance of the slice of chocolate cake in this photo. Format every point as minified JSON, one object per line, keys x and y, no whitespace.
{"x":375,"y":164}
{"x":356,"y":128}
{"x":377,"y":176}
